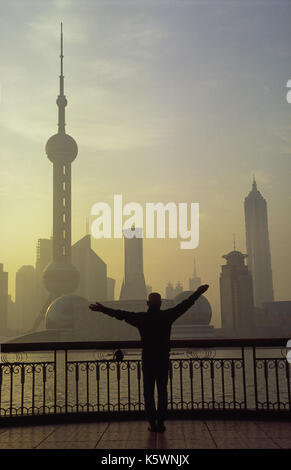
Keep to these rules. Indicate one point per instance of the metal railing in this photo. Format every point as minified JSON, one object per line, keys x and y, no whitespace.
{"x":210,"y":374}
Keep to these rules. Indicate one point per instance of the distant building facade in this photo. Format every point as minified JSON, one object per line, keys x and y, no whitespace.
{"x":110,"y":288}
{"x":92,"y":269}
{"x":133,"y":286}
{"x":3,"y":299}
{"x":172,"y":291}
{"x":274,"y":319}
{"x":258,"y":246}
{"x":25,"y":297}
{"x":236,"y":295}
{"x":44,"y":255}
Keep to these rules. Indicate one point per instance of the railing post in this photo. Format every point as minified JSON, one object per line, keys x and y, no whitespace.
{"x":0,"y":383}
{"x":244,"y":376}
{"x":55,"y":381}
{"x":287,"y":369}
{"x":255,"y":376}
{"x":22,"y":387}
{"x":66,"y":380}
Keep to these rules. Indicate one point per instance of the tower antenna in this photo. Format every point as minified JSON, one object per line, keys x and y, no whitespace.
{"x":234,"y":247}
{"x":254,"y":181}
{"x":61,"y":63}
{"x":61,"y":100}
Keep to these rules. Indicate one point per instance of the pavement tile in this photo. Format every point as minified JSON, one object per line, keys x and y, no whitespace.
{"x":283,"y":442}
{"x":200,"y":444}
{"x":66,"y":445}
{"x":26,"y":434}
{"x":105,"y":444}
{"x":165,"y":443}
{"x":19,"y":445}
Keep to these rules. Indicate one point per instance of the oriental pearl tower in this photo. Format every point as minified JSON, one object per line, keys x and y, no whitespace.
{"x":61,"y":277}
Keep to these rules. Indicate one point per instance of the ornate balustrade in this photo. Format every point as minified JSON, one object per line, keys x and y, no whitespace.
{"x":85,"y":377}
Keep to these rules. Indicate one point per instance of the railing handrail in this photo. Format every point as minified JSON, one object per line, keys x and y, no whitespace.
{"x":113,"y":345}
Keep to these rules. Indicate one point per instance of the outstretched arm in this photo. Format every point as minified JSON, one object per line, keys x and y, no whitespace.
{"x":183,"y":306}
{"x":129,"y":317}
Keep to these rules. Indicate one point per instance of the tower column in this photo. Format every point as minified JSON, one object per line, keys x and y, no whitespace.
{"x":61,"y":277}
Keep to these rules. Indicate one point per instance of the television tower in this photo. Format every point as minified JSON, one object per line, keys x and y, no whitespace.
{"x":61,"y":277}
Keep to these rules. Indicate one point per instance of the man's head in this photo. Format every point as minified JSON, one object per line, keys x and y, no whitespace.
{"x":154,"y":300}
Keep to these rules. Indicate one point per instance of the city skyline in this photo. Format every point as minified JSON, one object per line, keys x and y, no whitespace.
{"x":219,"y":186}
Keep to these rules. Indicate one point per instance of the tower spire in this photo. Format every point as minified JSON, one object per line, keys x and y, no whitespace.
{"x":234,"y":247}
{"x":254,"y":182}
{"x":61,"y":100}
{"x":62,"y":54}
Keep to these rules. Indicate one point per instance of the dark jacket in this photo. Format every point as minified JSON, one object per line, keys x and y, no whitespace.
{"x":154,"y":325}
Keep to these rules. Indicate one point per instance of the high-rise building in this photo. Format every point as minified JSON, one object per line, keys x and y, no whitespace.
{"x":170,"y":291}
{"x":133,"y":286}
{"x":61,"y":277}
{"x":110,"y":288}
{"x":178,"y":288}
{"x":44,"y":254}
{"x":25,"y":297}
{"x":12,"y":318}
{"x":92,"y":269}
{"x":258,"y":246}
{"x":3,"y":299}
{"x":194,"y":281}
{"x":236,"y":294}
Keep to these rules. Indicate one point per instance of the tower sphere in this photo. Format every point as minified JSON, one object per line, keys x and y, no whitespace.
{"x":61,"y":148}
{"x":61,"y":278}
{"x":64,"y":311}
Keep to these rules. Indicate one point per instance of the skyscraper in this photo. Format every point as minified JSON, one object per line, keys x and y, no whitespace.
{"x":236,"y":294}
{"x":25,"y":298}
{"x":3,"y":299}
{"x":133,"y":286}
{"x":258,"y":246}
{"x":194,"y":281}
{"x":61,"y":277}
{"x":43,"y":258}
{"x":92,"y":269}
{"x":170,"y":291}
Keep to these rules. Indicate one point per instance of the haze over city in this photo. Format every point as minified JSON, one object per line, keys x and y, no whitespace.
{"x":167,"y":104}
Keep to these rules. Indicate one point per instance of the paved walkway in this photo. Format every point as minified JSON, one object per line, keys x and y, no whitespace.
{"x":200,"y":434}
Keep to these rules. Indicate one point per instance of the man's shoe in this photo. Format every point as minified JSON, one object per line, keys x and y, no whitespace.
{"x":152,"y":427}
{"x":161,"y":427}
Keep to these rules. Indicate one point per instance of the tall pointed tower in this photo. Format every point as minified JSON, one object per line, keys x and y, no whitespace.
{"x":258,"y":246}
{"x":61,"y":277}
{"x":194,"y":281}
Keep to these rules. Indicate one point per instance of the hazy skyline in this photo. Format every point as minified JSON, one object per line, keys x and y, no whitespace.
{"x":168,"y":101}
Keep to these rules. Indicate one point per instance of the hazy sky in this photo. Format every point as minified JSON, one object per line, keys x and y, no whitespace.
{"x":169,"y":101}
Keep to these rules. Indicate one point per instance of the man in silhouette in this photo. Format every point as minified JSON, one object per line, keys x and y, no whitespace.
{"x":155,"y":330}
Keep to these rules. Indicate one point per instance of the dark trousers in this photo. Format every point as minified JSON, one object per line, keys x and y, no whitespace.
{"x":155,"y":371}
